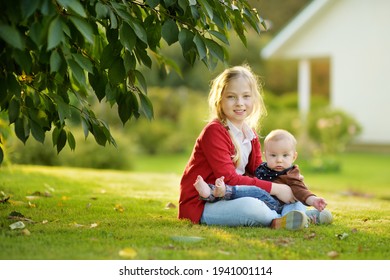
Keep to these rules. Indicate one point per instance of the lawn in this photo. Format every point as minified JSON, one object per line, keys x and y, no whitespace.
{"x":76,"y":214}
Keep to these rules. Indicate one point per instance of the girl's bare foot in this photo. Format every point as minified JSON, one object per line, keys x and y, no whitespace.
{"x":220,"y":187}
{"x":202,"y":187}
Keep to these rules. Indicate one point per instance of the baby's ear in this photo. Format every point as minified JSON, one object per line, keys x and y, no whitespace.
{"x":295,"y":155}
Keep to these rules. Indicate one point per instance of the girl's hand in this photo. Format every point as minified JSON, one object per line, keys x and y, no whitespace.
{"x":283,"y":192}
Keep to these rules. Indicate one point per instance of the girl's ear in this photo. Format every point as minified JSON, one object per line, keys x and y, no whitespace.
{"x":295,"y":155}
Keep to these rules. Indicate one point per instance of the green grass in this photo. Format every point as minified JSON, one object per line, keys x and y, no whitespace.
{"x":96,"y":214}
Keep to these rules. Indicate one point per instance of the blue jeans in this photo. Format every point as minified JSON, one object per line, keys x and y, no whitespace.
{"x":244,"y":210}
{"x":272,"y":202}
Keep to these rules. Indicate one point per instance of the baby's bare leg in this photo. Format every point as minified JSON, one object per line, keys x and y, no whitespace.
{"x":202,"y":187}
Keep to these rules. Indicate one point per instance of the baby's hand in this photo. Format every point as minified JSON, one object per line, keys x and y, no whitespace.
{"x":319,"y":203}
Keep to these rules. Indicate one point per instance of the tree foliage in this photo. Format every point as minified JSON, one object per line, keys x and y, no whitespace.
{"x":56,"y":54}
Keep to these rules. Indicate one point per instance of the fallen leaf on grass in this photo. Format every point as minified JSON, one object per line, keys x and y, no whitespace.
{"x":93,"y":225}
{"x":333,"y":254}
{"x":342,"y":235}
{"x":43,"y":194}
{"x":170,"y":205}
{"x":128,"y":253}
{"x":31,"y":205}
{"x":26,"y":232}
{"x":310,"y":235}
{"x":76,"y":225}
{"x":19,"y":217}
{"x":4,"y":198}
{"x":17,"y":225}
{"x":119,"y":208}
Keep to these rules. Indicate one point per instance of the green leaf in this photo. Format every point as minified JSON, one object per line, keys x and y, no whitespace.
{"x":127,"y":36}
{"x":13,"y":110}
{"x":116,"y":73}
{"x":207,"y":7}
{"x":129,"y":61}
{"x":75,"y":6}
{"x":154,"y":36}
{"x":28,"y":7}
{"x":71,"y":141}
{"x":220,"y":36}
{"x":61,"y":141}
{"x":54,"y":135}
{"x":113,"y":20}
{"x":1,"y":155}
{"x":38,"y":33}
{"x":84,"y":28}
{"x":169,"y":3}
{"x":215,"y":49}
{"x":84,"y":62}
{"x":22,"y":129}
{"x":139,"y":31}
{"x":55,"y":61}
{"x":99,"y":135}
{"x":98,"y":82}
{"x":143,"y":56}
{"x":37,"y":132}
{"x":186,"y":39}
{"x":63,"y":109}
{"x":146,"y":106}
{"x":200,"y":46}
{"x":85,"y":126}
{"x":55,"y":35}
{"x":141,"y":80}
{"x":170,"y":32}
{"x":152,"y":3}
{"x":12,"y":36}
{"x":101,"y":10}
{"x":108,"y":55}
{"x":125,"y":105}
{"x":23,"y":58}
{"x":77,"y":72}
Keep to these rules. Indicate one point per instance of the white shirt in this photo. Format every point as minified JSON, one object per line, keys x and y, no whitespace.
{"x":243,"y":138}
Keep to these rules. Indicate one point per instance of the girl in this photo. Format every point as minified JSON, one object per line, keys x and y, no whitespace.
{"x":228,"y":147}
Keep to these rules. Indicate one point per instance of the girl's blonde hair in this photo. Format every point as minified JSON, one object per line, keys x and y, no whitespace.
{"x":218,"y":86}
{"x":222,"y":80}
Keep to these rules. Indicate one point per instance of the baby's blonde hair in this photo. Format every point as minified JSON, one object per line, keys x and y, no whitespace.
{"x":280,"y":134}
{"x":218,"y":86}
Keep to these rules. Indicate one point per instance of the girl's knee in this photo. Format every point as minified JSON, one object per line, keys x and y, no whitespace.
{"x":256,"y":212}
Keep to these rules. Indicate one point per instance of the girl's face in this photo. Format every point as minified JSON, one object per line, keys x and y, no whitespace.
{"x":237,"y":101}
{"x":279,"y":154}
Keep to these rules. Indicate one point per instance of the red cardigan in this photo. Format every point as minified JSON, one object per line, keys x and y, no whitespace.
{"x":211,"y":158}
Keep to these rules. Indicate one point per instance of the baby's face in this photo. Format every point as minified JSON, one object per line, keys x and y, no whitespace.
{"x":279,"y":154}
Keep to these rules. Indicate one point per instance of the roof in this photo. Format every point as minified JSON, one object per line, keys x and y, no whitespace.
{"x":294,"y":26}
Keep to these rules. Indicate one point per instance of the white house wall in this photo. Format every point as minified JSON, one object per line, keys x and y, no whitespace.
{"x":355,"y":36}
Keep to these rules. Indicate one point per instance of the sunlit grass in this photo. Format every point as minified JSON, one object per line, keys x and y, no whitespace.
{"x":94,"y":214}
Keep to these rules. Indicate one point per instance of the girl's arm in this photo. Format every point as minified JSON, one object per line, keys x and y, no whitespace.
{"x":219,"y":149}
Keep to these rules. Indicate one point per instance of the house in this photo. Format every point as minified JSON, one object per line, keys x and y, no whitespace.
{"x":354,"y":36}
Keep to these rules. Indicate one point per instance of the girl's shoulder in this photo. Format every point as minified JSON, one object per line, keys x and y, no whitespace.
{"x":215,"y":125}
{"x":215,"y":129}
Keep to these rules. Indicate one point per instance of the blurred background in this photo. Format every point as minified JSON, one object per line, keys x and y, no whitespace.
{"x":300,"y":91}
